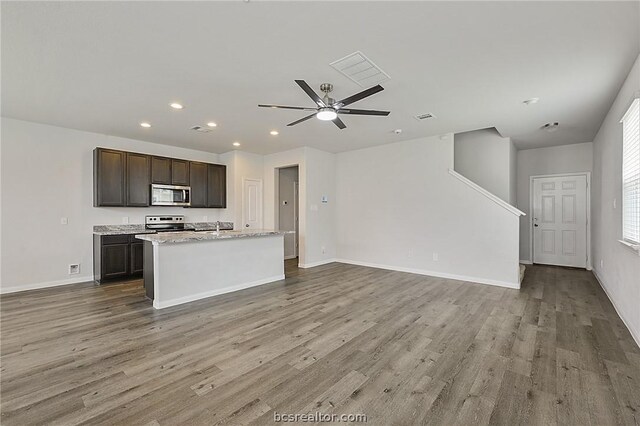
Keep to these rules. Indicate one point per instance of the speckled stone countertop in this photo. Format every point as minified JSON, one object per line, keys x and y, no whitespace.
{"x":187,"y":236}
{"x":139,"y":228}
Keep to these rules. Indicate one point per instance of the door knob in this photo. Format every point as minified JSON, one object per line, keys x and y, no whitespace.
{"x":247,"y":225}
{"x":535,"y":224}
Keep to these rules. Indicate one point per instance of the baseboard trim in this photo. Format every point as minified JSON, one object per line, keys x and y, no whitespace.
{"x":191,"y":298}
{"x":45,"y":284}
{"x":526,"y":262}
{"x":433,"y":273}
{"x":634,"y":335}
{"x":314,"y":264}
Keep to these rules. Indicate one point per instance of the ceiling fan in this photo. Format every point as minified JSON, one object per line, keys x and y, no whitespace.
{"x":328,"y":108}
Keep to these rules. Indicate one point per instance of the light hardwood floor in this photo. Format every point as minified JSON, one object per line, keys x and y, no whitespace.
{"x":400,"y":348}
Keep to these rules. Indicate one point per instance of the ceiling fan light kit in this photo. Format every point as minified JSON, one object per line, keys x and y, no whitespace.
{"x":328,"y":108}
{"x":326,"y":114}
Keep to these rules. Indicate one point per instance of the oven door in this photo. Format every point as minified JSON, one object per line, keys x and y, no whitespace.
{"x":170,"y":195}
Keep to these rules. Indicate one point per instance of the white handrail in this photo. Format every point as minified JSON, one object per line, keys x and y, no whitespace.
{"x":487,"y":194}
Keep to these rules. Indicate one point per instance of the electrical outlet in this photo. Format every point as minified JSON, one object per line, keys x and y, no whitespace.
{"x":74,"y":268}
{"x":436,"y":257}
{"x":601,"y":263}
{"x":205,"y":218}
{"x":64,"y":221}
{"x":125,"y":220}
{"x":323,"y":249}
{"x":614,"y":203}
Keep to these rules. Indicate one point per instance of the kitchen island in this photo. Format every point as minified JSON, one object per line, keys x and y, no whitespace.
{"x":181,"y":267}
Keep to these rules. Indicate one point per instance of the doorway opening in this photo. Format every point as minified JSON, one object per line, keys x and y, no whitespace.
{"x":288,"y":209}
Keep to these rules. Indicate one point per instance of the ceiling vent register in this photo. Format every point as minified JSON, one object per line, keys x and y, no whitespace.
{"x":201,"y":129}
{"x":425,"y":116}
{"x":360,"y":69}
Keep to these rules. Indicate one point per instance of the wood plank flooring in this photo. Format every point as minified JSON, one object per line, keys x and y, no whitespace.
{"x":399,"y":348}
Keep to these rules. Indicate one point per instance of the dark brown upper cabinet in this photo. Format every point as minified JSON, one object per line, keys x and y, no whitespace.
{"x":179,"y":172}
{"x":138,"y":179}
{"x":109,"y":178}
{"x":161,"y":170}
{"x":198,"y":180}
{"x":124,"y":179}
{"x":217,"y":186}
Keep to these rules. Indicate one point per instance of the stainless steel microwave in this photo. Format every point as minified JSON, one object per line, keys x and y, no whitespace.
{"x":170,"y":195}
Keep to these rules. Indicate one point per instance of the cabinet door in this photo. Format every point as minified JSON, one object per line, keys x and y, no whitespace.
{"x":198,"y":181}
{"x":217,"y":186}
{"x":179,"y":172}
{"x":138,"y":179}
{"x":115,"y":261}
{"x":108,"y":178}
{"x":161,"y":170}
{"x":137,"y":258}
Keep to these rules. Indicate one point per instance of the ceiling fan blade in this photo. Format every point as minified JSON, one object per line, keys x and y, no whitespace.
{"x":362,"y":112}
{"x":339,"y":123}
{"x":361,"y":95}
{"x":287,"y":107}
{"x":302,"y":119}
{"x":309,"y":91}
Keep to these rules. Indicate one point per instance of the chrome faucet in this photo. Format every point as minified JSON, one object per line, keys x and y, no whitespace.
{"x":218,"y":226}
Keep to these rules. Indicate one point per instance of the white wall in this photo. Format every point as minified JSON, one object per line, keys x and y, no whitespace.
{"x":47,"y":174}
{"x":546,"y":161}
{"x":619,"y":272}
{"x":316,"y":175}
{"x":487,"y":159}
{"x":288,"y":178}
{"x":240,"y":165}
{"x":398,"y":205}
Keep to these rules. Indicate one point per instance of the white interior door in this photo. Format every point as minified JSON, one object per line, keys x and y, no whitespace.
{"x":252,"y":203}
{"x":560,"y":220}
{"x":295,"y":215}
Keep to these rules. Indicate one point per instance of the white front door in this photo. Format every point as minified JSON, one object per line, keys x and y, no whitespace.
{"x":560,"y":220}
{"x":252,"y":203}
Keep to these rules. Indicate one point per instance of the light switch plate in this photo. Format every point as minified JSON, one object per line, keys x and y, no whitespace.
{"x":64,"y":221}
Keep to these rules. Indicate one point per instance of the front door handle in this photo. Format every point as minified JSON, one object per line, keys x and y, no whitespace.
{"x":535,"y":224}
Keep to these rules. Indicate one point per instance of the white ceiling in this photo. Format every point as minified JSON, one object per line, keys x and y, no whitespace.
{"x":106,"y":66}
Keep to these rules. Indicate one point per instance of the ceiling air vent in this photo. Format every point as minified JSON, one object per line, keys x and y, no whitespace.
{"x":201,"y":129}
{"x":425,"y":116}
{"x":360,"y":69}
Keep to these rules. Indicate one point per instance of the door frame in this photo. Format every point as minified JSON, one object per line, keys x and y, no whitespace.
{"x":261,"y":204}
{"x":588,"y":204}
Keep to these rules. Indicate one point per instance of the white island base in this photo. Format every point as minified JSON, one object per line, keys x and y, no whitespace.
{"x":193,"y":269}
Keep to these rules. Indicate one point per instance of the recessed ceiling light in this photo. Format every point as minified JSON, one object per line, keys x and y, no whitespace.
{"x":274,"y":133}
{"x":176,"y":105}
{"x":236,"y":144}
{"x":531,"y":101}
{"x":551,"y":127}
{"x":211,"y":124}
{"x":145,"y":124}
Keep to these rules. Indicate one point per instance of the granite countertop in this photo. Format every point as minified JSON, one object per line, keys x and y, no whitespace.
{"x":190,"y":236}
{"x":140,"y":229}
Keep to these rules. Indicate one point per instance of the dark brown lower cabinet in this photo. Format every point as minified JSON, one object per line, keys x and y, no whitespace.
{"x":117,"y":257}
{"x":137,"y":258}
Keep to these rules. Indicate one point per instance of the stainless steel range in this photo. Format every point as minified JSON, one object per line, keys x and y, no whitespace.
{"x":165,"y":223}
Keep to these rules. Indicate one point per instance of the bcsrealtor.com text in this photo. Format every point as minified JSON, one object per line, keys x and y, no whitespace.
{"x":318,"y":417}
